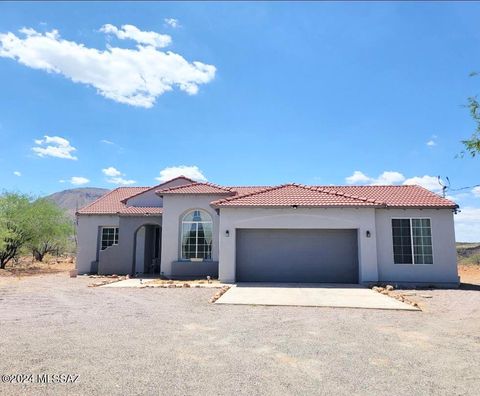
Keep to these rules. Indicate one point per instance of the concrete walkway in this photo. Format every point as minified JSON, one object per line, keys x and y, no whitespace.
{"x":310,"y":295}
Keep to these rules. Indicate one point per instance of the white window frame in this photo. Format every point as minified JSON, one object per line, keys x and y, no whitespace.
{"x":116,"y":232}
{"x":411,"y":239}
{"x":182,"y":222}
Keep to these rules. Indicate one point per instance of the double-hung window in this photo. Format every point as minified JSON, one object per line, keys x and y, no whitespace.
{"x":109,"y":237}
{"x":412,"y":241}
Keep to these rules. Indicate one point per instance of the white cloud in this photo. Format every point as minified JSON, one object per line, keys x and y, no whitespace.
{"x":467,"y":225}
{"x":357,"y":177}
{"x":172,"y":22}
{"x":431,"y":143}
{"x":386,"y":178}
{"x":395,"y":178}
{"x":131,"y":76}
{"x":116,"y":177}
{"x":78,"y":180}
{"x":192,"y":172}
{"x":111,"y":171}
{"x":54,"y":146}
{"x":106,"y":141}
{"x":154,"y":39}
{"x":476,"y":191}
{"x":17,"y":173}
{"x":429,"y":182}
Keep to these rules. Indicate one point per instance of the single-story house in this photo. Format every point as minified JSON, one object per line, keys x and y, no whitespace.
{"x":286,"y":233}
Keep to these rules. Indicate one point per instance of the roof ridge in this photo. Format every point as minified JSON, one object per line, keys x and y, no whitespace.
{"x":156,"y":186}
{"x":267,"y":189}
{"x":226,"y":189}
{"x":98,"y":199}
{"x":342,"y":194}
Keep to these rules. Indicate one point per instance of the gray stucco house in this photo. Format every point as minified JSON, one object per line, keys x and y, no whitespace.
{"x":286,"y":233}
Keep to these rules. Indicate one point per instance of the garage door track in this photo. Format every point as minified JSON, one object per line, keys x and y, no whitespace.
{"x":310,"y":295}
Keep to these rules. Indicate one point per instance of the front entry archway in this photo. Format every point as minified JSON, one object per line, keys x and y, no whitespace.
{"x":147,"y":249}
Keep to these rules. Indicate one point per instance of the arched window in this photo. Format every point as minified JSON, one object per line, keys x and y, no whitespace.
{"x":197,"y":231}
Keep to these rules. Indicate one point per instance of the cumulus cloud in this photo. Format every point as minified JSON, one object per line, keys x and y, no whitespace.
{"x":78,"y":180}
{"x":429,"y":182}
{"x":54,"y":146}
{"x":467,"y":225}
{"x":395,"y":178}
{"x":386,"y":178}
{"x":114,"y":176}
{"x":111,"y":171}
{"x":431,"y":143}
{"x":17,"y":173}
{"x":131,"y":76}
{"x":192,"y":172}
{"x":172,"y":22}
{"x":476,"y":192}
{"x":131,"y":32}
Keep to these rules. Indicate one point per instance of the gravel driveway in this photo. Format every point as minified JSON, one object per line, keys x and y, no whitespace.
{"x":172,"y":341}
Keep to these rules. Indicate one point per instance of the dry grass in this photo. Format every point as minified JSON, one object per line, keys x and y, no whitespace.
{"x":25,"y":266}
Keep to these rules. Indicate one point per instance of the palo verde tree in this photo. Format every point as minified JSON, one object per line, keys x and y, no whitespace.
{"x":472,"y":145}
{"x":15,"y":225}
{"x":50,"y":229}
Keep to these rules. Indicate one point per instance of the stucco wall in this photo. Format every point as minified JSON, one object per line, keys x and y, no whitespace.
{"x":174,"y":208}
{"x":328,"y":218}
{"x":123,"y":260}
{"x":150,"y":198}
{"x":444,"y":267}
{"x":88,"y":237}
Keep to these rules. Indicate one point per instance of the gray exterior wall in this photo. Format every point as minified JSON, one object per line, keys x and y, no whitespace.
{"x":150,"y":198}
{"x":174,"y":208}
{"x":444,"y":267}
{"x":120,"y":259}
{"x":88,"y":238}
{"x":362,"y":220}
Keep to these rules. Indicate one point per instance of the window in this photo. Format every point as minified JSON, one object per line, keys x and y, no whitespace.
{"x":109,"y":237}
{"x":197,"y":234}
{"x":412,"y":241}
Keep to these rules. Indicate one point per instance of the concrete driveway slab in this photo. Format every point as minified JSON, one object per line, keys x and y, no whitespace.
{"x":310,"y":295}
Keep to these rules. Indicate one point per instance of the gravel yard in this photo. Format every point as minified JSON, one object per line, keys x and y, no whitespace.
{"x":172,"y":341}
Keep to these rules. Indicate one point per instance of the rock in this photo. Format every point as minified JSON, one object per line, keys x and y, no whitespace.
{"x":425,"y":296}
{"x":186,"y":285}
{"x":127,"y":276}
{"x":384,"y":291}
{"x":389,"y":287}
{"x":171,"y":286}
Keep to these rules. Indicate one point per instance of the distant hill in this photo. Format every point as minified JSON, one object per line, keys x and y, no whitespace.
{"x":76,"y":198}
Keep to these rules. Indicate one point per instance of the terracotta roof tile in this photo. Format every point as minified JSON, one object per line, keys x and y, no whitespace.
{"x":278,"y":196}
{"x":111,"y":203}
{"x":158,"y":186}
{"x":197,"y":188}
{"x":396,"y":196}
{"x":295,"y":194}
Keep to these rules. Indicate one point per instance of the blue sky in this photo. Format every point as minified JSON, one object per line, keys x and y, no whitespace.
{"x":283,"y":92}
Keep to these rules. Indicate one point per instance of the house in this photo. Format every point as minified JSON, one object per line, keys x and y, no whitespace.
{"x":286,"y":233}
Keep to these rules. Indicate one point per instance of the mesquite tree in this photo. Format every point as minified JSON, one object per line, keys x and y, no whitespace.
{"x":15,"y":225}
{"x":51,"y":228}
{"x":472,"y":145}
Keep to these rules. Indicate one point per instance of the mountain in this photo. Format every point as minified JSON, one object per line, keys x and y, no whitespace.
{"x":76,"y":198}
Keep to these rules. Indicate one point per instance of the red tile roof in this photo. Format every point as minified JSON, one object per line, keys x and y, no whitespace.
{"x":197,"y":188}
{"x":337,"y":196}
{"x":159,"y":186}
{"x":295,"y":194}
{"x":278,"y":196}
{"x":396,"y":196}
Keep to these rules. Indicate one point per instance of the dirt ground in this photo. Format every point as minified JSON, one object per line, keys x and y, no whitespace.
{"x":469,"y":274}
{"x":26,"y":266}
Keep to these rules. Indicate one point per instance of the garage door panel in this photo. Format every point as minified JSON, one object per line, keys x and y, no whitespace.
{"x":273,"y":255}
